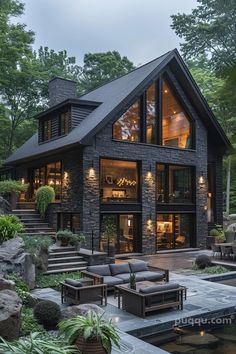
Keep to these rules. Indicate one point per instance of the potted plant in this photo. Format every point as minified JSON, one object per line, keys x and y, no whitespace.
{"x":218,"y":233}
{"x":132,"y":281}
{"x":109,"y":231}
{"x":64,"y":236}
{"x":76,"y":240}
{"x":11,"y":189}
{"x":91,"y":333}
{"x":44,"y":196}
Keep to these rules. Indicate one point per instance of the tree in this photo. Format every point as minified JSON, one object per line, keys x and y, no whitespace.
{"x":100,"y":68}
{"x":210,"y":29}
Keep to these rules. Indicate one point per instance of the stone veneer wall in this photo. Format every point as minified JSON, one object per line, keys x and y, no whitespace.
{"x":147,"y":155}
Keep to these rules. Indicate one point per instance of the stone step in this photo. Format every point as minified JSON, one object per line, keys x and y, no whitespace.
{"x":38,"y":233}
{"x":53,"y":255}
{"x":67,"y":265}
{"x":39,"y":225}
{"x":62,"y":249}
{"x":28,"y":216}
{"x":24,"y":211}
{"x":37,"y":230}
{"x":31,"y":221}
{"x":65,"y":270}
{"x":25,"y":205}
{"x":65,"y":260}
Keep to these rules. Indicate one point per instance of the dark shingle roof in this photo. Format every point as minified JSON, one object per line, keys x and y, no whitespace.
{"x":112,"y":96}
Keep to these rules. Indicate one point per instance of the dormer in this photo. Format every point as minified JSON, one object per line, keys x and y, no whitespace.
{"x":65,"y":112}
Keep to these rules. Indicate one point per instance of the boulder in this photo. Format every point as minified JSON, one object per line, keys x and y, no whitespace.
{"x":10,"y":308}
{"x":6,"y":284}
{"x":231,"y":228}
{"x":73,"y":311}
{"x":232,"y":217}
{"x":32,"y":300}
{"x":14,"y":259}
{"x":5,"y":207}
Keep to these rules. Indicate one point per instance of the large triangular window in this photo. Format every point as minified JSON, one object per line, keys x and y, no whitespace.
{"x":127,"y":127}
{"x":176,"y":125}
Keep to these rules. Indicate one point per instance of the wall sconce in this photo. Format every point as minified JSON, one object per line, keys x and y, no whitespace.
{"x":149,"y":223}
{"x":66,"y":179}
{"x":201,"y":180}
{"x":205,"y":207}
{"x":91,"y":171}
{"x":149,"y":174}
{"x":22,"y":181}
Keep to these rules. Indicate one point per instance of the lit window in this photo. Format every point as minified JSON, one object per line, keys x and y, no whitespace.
{"x":46,"y":130}
{"x":151,"y":136}
{"x":176,"y":126}
{"x":64,"y":123}
{"x":127,"y":127}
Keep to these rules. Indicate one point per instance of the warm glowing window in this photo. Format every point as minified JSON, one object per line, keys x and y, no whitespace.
{"x":127,"y":127}
{"x":46,"y":130}
{"x":176,"y":126}
{"x":119,"y":181}
{"x":151,"y":115}
{"x":64,"y":123}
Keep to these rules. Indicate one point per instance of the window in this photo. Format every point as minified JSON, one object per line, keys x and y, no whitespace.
{"x":174,"y":184}
{"x":63,"y":123}
{"x":176,"y":127}
{"x":119,"y":181}
{"x":46,"y":130}
{"x":127,"y":127}
{"x":151,"y":130}
{"x":70,"y":221}
{"x":174,"y":231}
{"x":48,"y":175}
{"x":211,"y":193}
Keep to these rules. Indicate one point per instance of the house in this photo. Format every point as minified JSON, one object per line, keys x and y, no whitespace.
{"x":140,"y":156}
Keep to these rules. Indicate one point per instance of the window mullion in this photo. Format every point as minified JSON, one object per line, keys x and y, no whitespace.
{"x":159,"y":111}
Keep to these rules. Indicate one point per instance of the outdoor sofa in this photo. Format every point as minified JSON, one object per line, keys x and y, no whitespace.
{"x":115,"y":274}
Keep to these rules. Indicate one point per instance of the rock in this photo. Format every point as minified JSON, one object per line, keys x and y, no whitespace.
{"x":73,"y":311}
{"x":6,"y":284}
{"x":231,"y":228}
{"x":232,"y":217}
{"x":13,"y":259}
{"x":32,"y":300}
{"x":5,"y":207}
{"x":10,"y":308}
{"x":198,"y":341}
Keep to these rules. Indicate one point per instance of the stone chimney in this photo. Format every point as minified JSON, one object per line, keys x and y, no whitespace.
{"x":60,"y":90}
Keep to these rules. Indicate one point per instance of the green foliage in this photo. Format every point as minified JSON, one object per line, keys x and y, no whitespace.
{"x":44,"y":196}
{"x":28,"y":322}
{"x":100,"y":68}
{"x":202,"y":261}
{"x":214,"y":232}
{"x":9,"y":227}
{"x":34,"y":244}
{"x":47,"y":313}
{"x":215,"y":270}
{"x":65,"y":236}
{"x":221,"y":234}
{"x":35,"y":345}
{"x":91,"y":326}
{"x":132,"y":280}
{"x":109,"y":227}
{"x":77,"y":239}
{"x":11,"y":186}
{"x":22,"y":288}
{"x":53,"y":280}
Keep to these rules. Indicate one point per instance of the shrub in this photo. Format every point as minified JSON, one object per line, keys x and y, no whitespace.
{"x":202,"y":261}
{"x":53,"y":280}
{"x":214,"y":232}
{"x":44,"y":196}
{"x":65,"y":236}
{"x":22,"y":288}
{"x":77,"y":239}
{"x":9,"y":226}
{"x":48,"y":314}
{"x":36,"y":344}
{"x":215,"y":270}
{"x":28,"y":322}
{"x":11,"y":186}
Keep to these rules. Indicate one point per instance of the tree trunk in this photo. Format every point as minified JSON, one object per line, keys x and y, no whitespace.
{"x":228,"y":185}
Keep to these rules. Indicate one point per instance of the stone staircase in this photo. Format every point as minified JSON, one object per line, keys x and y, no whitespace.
{"x":31,"y":220}
{"x":64,"y":259}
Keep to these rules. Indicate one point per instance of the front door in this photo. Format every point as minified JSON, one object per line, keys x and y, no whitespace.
{"x":120,"y":231}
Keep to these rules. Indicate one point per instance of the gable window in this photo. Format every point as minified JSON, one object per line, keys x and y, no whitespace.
{"x":176,"y":128}
{"x":174,"y":184}
{"x":46,"y":130}
{"x":63,"y":123}
{"x":151,"y":129}
{"x":156,"y":118}
{"x":127,"y":127}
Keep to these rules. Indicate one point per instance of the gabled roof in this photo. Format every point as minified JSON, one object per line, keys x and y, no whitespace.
{"x":118,"y":94}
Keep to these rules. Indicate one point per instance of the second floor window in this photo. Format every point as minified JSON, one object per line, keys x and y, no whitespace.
{"x":127,"y":128}
{"x":63,"y":123}
{"x":46,"y":130}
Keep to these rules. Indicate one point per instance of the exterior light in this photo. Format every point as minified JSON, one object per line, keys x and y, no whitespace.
{"x":66,"y":175}
{"x":129,"y":222}
{"x":51,"y":182}
{"x":91,"y":171}
{"x":22,"y":181}
{"x":202,"y":333}
{"x":201,"y":179}
{"x":149,"y":173}
{"x":149,"y":222}
{"x":205,"y":207}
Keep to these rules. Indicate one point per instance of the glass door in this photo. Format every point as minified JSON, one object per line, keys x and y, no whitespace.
{"x":119,"y":231}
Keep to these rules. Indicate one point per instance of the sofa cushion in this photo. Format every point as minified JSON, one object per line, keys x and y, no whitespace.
{"x":158,"y":288}
{"x":119,"y":268}
{"x":125,"y":277}
{"x":102,"y":270}
{"x":111,"y":281}
{"x":148,"y":275}
{"x":138,"y":267}
{"x":73,"y":282}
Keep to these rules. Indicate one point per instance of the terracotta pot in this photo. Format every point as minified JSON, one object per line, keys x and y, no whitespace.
{"x":91,"y":346}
